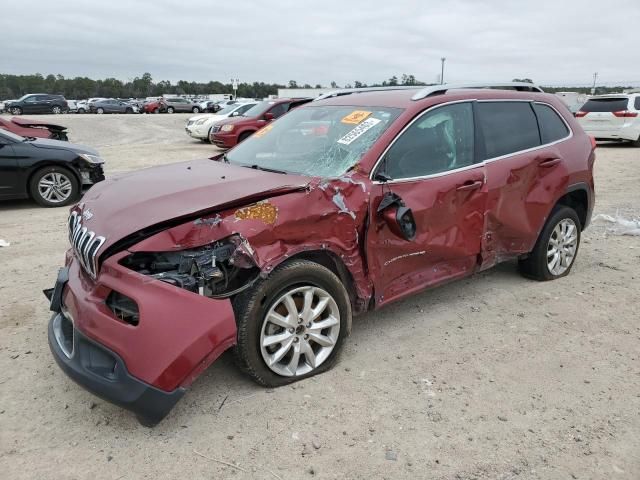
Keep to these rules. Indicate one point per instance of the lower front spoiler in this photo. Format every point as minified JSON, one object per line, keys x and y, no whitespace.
{"x":104,"y":373}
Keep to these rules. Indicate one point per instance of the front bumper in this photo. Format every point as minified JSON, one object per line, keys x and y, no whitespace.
{"x":224,"y":140}
{"x":103,"y":373}
{"x":179,"y":334}
{"x":198,"y":131}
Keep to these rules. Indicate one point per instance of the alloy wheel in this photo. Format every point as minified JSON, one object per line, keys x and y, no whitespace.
{"x":56,"y":110}
{"x":562,"y":246}
{"x":299,"y":331}
{"x":55,"y":187}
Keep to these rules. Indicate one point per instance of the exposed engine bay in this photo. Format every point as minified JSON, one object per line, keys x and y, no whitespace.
{"x":217,"y":270}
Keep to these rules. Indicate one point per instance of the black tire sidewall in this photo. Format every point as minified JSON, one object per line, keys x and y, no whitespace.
{"x":252,"y":307}
{"x":539,"y":253}
{"x":35,"y":194}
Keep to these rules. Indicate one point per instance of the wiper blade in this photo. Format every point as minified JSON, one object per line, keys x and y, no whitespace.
{"x":273,"y":170}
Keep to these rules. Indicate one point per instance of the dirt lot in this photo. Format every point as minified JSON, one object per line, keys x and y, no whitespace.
{"x":491,"y":377}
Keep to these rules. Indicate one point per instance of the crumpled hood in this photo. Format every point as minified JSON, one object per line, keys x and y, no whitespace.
{"x":126,"y":204}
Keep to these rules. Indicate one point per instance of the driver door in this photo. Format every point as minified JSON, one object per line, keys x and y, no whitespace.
{"x":432,"y":168}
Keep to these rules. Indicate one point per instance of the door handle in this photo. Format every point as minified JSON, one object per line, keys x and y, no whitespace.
{"x":470,"y":185}
{"x":549,"y":162}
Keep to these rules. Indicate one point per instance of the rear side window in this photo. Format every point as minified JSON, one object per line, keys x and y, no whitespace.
{"x":507,"y":127}
{"x":279,"y":109}
{"x":605,"y":105}
{"x":552,"y":128}
{"x":636,"y":104}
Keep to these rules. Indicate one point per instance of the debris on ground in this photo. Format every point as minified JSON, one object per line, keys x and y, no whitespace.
{"x":620,"y":225}
{"x":4,"y":243}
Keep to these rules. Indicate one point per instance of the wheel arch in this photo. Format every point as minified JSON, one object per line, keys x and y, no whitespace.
{"x":332,"y":262}
{"x":577,"y":198}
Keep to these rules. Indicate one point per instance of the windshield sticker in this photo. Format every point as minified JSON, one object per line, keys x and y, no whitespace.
{"x":355,"y":117}
{"x":263,"y":131}
{"x":360,"y":130}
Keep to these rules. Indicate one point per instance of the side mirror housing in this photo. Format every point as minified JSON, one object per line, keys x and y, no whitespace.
{"x":397,"y":216}
{"x":268,"y":116}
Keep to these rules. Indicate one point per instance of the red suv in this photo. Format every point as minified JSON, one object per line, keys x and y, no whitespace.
{"x":341,"y":206}
{"x":229,"y":132}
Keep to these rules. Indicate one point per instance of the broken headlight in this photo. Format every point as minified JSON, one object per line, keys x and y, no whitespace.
{"x":217,"y":270}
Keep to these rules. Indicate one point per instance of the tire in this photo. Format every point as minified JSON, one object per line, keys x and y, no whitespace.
{"x":170,"y":110}
{"x":60,"y":175}
{"x":636,"y":143}
{"x":81,"y":110}
{"x":244,"y":136}
{"x":99,"y":110}
{"x":195,"y":110}
{"x":538,"y":265}
{"x":253,"y":310}
{"x":129,"y":110}
{"x":16,"y":111}
{"x":56,"y":110}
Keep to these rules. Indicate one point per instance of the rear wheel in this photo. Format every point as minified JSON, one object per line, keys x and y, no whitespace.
{"x":292,"y":324}
{"x":557,"y":246}
{"x":54,"y":187}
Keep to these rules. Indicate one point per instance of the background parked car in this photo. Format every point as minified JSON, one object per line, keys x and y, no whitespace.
{"x":199,"y":127}
{"x":612,"y":117}
{"x":178,"y":104}
{"x":111,"y":105}
{"x":38,"y":103}
{"x":51,"y":172}
{"x":34,"y":128}
{"x":228,"y":133}
{"x":154,"y":106}
{"x":82,"y":106}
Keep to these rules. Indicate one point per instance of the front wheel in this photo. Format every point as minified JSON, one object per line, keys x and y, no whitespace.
{"x":54,"y":187}
{"x":557,"y":246}
{"x":292,"y":324}
{"x":636,"y":143}
{"x":100,"y":111}
{"x":16,"y":111}
{"x":170,"y":110}
{"x":56,"y":110}
{"x":195,"y":110}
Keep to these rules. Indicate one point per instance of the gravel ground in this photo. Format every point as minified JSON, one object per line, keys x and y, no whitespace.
{"x":491,"y":377}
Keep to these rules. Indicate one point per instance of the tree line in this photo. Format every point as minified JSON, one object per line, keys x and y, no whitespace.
{"x":14,"y":86}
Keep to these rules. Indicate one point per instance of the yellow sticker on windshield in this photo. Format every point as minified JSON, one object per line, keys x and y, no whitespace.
{"x":263,"y":131}
{"x":355,"y":117}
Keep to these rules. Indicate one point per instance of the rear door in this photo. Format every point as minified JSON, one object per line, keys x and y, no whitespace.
{"x":599,"y":114}
{"x":435,"y":173}
{"x":523,"y":175}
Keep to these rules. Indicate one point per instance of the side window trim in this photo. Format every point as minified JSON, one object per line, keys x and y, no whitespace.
{"x":379,"y":162}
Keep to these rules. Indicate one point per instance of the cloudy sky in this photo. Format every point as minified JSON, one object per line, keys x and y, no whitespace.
{"x":552,"y":42}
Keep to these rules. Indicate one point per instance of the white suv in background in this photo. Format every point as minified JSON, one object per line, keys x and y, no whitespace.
{"x":612,"y":117}
{"x":200,"y":125}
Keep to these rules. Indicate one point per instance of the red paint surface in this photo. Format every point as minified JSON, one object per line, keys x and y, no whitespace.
{"x":459,"y":231}
{"x":28,"y":128}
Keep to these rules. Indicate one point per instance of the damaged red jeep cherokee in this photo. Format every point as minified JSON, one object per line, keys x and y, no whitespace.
{"x":341,"y":206}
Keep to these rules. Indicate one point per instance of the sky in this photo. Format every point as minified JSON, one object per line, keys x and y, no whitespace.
{"x":561,"y":42}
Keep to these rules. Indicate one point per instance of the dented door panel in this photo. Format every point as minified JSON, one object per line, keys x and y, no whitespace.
{"x":450,"y":219}
{"x":522,"y":189}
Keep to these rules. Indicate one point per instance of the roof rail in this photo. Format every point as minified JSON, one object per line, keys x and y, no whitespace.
{"x":440,"y":89}
{"x":349,"y":91}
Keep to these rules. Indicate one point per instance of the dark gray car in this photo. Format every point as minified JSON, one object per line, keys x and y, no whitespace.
{"x":111,"y":106}
{"x":178,"y":104}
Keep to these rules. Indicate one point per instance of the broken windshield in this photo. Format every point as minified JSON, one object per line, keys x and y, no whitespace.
{"x":323,"y":141}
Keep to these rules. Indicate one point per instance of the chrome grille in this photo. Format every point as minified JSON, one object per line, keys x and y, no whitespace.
{"x":85,"y":244}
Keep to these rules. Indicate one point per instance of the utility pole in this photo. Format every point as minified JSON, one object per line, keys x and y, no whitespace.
{"x":595,"y":77}
{"x":442,"y":70}
{"x":234,"y":84}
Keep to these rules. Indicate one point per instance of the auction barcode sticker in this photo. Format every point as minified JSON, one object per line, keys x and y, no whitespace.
{"x":366,"y":125}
